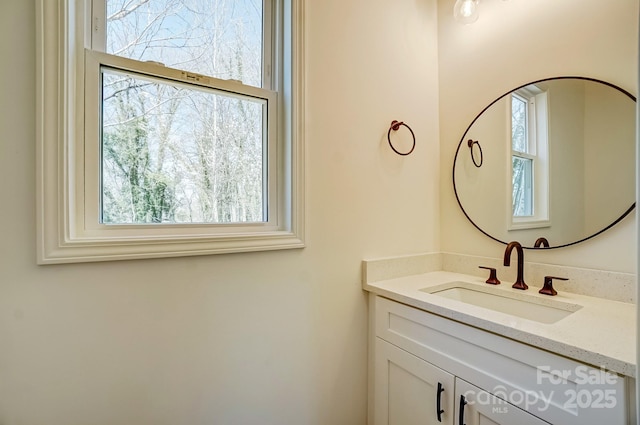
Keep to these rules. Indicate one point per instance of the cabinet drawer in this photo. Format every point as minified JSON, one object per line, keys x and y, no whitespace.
{"x":552,"y":387}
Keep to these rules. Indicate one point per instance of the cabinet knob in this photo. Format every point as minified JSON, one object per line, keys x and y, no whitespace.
{"x":493,"y":277}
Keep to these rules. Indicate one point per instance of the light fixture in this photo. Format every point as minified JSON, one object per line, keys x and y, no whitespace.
{"x":466,"y":11}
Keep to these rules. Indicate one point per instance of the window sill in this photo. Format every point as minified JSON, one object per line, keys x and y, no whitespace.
{"x":529,"y":224}
{"x":93,"y":250}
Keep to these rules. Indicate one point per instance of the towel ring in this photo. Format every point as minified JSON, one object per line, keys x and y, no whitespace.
{"x":395,"y":126}
{"x":470,"y":143}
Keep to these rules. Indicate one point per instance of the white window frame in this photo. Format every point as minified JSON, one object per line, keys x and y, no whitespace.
{"x":66,"y":229}
{"x":538,"y":152}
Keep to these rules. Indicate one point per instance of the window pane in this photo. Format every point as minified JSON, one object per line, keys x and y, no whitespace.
{"x":219,"y":38}
{"x":175,"y":154}
{"x":519,"y":124}
{"x":522,"y":197}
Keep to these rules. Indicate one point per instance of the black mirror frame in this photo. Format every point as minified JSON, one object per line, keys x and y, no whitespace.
{"x":464,"y":136}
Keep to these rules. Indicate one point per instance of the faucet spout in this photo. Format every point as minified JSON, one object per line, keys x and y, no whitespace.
{"x":541,"y":243}
{"x":519,"y":284}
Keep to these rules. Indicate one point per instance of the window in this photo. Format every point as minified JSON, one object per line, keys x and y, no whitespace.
{"x":522,"y":157}
{"x":529,"y":169}
{"x":180,"y":128}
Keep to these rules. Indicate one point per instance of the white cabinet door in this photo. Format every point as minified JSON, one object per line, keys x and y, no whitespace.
{"x":477,"y":407}
{"x":409,"y":390}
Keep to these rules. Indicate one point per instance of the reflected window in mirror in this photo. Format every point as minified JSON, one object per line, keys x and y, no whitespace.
{"x":529,"y":160}
{"x":522,"y":156}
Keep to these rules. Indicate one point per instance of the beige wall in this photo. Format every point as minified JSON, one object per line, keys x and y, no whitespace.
{"x":266,"y":338}
{"x":566,"y":157}
{"x":610,"y":167}
{"x":512,"y":43}
{"x":280,"y":337}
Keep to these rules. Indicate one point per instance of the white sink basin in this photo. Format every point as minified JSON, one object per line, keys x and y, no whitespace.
{"x":520,"y":304}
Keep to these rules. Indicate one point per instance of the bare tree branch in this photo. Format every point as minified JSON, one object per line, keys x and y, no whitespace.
{"x":126,"y":10}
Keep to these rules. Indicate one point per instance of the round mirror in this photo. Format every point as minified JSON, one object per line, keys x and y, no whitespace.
{"x":549,"y":164}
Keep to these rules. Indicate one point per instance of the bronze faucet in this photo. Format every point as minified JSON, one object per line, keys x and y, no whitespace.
{"x":541,"y":243}
{"x":507,"y":262}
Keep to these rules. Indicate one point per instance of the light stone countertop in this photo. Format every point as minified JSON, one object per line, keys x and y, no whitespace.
{"x":601,"y":333}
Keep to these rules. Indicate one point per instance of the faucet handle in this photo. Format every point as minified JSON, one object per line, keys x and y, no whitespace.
{"x":547,"y":289}
{"x":493,"y":277}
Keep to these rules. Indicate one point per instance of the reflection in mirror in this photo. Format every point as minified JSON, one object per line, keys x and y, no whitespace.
{"x":529,"y":159}
{"x":558,"y":162}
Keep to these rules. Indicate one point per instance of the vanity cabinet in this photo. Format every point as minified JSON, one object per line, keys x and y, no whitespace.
{"x":412,"y":391}
{"x":422,"y":364}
